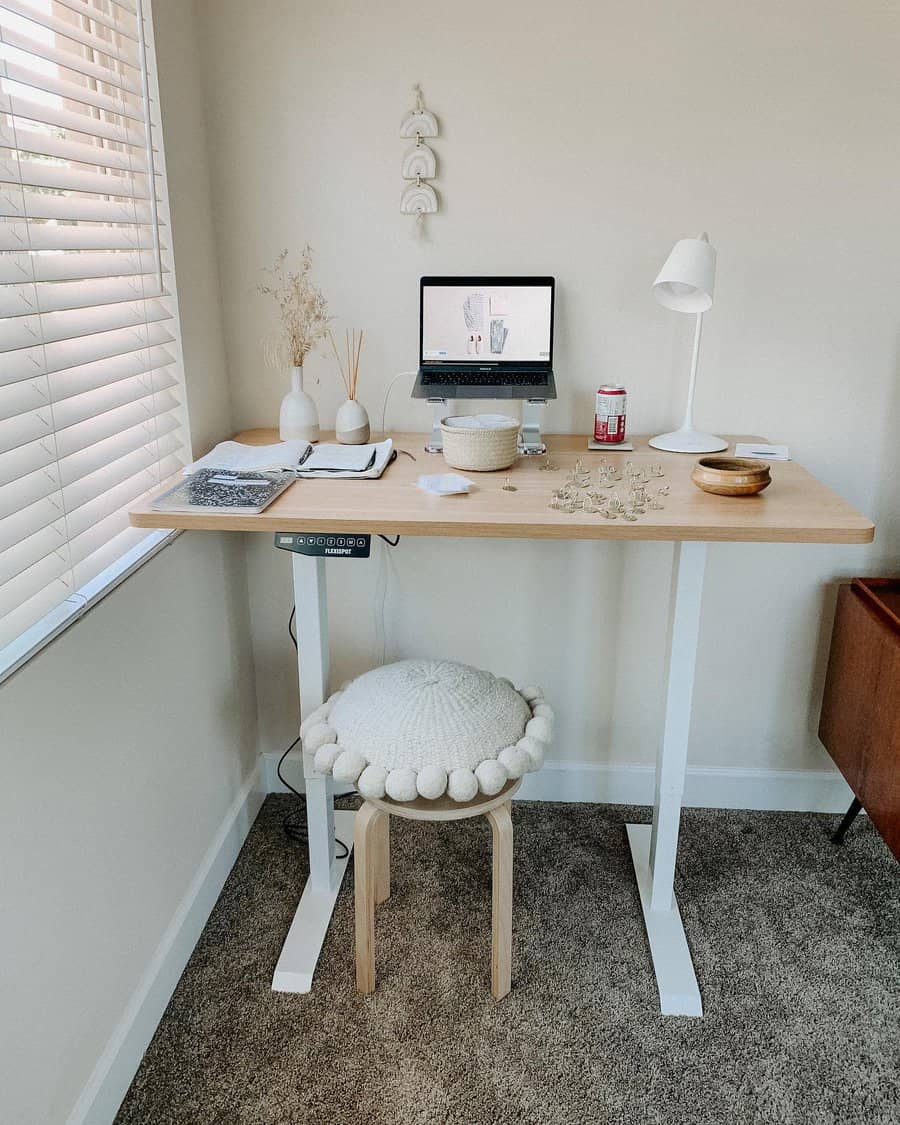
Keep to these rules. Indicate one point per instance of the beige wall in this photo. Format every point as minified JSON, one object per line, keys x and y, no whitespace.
{"x":126,"y":740}
{"x":582,"y":139}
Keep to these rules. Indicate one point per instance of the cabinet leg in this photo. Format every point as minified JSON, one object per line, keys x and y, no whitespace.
{"x":849,"y":816}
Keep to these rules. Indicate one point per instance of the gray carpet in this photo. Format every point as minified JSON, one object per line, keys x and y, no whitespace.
{"x":795,"y":943}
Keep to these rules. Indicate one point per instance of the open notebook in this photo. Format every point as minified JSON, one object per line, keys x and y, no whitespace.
{"x":326,"y":460}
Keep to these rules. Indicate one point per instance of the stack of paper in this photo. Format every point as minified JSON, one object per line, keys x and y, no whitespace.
{"x":283,"y":455}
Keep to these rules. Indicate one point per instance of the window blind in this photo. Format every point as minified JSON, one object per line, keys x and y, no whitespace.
{"x":92,"y":410}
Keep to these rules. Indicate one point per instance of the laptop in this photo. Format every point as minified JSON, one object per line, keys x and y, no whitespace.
{"x":486,"y":337}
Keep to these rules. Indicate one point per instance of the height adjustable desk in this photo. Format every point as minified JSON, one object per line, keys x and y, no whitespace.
{"x":796,"y":508}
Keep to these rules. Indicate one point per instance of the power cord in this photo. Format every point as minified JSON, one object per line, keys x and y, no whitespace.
{"x":294,"y":823}
{"x":387,"y":394}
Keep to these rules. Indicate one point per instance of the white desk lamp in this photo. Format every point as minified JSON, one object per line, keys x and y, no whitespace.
{"x":685,"y":284}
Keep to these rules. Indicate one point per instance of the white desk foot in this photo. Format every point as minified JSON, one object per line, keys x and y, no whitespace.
{"x":303,"y":944}
{"x":678,"y":991}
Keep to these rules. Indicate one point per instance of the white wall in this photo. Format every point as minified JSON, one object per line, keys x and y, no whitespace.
{"x":125,"y":741}
{"x":582,"y":139}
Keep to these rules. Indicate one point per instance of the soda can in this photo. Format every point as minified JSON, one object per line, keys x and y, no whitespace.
{"x":609,"y":414}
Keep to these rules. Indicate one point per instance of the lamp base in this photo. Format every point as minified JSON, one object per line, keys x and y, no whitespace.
{"x":687,"y":440}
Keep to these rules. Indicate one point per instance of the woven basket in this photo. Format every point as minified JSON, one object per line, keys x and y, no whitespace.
{"x":482,"y":448}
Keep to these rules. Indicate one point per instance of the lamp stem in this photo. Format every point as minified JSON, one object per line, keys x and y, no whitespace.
{"x":688,"y":423}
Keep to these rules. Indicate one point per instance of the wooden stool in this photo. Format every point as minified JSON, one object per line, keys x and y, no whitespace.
{"x":371,"y":845}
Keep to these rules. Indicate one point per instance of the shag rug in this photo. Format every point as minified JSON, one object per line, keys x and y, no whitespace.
{"x":795,"y":942}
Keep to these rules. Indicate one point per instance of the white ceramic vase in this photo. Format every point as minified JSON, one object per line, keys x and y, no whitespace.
{"x":351,"y":425}
{"x":299,"y":417}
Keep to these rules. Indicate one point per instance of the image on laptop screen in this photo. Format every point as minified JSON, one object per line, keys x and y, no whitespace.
{"x":486,"y":323}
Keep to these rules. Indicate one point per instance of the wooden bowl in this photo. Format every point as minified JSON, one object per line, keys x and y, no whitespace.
{"x":731,"y":476}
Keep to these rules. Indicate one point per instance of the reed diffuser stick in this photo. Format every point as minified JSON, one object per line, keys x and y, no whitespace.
{"x":349,"y":367}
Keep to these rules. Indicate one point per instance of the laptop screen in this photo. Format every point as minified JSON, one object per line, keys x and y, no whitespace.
{"x":487,"y":320}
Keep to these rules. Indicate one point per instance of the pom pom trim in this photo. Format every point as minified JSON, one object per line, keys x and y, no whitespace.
{"x":461,"y":783}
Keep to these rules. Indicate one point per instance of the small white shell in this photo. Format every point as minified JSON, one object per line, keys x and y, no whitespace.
{"x":348,"y":766}
{"x":541,"y":728}
{"x":462,"y":785}
{"x":318,"y":736}
{"x":431,"y":782}
{"x":319,"y":715}
{"x":491,"y":776}
{"x":326,"y":756}
{"x":531,"y":694}
{"x":544,"y":709}
{"x":400,"y":785}
{"x":371,"y":781}
{"x":514,"y":761}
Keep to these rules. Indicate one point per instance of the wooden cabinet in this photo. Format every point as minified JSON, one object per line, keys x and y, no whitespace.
{"x":860,"y":720}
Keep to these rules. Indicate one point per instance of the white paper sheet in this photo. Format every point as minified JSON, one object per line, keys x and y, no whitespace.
{"x":242,"y":458}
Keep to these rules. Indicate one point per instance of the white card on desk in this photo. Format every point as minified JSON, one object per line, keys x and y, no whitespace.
{"x":760,"y":449}
{"x":443,"y":484}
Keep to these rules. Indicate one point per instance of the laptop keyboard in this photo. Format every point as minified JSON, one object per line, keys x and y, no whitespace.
{"x":484,"y":379}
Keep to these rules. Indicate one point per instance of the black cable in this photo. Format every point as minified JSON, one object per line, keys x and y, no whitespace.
{"x":294,"y":823}
{"x":389,"y":542}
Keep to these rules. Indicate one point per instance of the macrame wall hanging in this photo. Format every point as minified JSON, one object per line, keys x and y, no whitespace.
{"x":419,"y":163}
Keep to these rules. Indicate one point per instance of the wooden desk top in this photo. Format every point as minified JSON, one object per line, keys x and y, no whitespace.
{"x":795,"y":508}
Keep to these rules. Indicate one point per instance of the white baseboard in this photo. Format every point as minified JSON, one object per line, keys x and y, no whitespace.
{"x":102,"y":1095}
{"x":619,"y":784}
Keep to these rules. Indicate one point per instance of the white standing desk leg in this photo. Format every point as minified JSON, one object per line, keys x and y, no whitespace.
{"x":654,"y":849}
{"x":300,"y":952}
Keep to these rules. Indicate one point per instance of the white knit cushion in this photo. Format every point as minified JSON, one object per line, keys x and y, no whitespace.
{"x":424,"y":727}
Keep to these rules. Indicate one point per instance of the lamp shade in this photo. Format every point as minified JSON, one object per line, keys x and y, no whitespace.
{"x":687,"y":280}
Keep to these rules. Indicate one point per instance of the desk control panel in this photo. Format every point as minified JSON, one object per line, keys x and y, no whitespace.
{"x":324,"y":545}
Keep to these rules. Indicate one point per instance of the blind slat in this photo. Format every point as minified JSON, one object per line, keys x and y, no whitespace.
{"x":28,"y":551}
{"x":58,"y":296}
{"x":33,"y":609}
{"x":29,"y":518}
{"x":21,"y":332}
{"x":123,"y":23}
{"x":50,"y":113}
{"x":161,"y":434}
{"x":22,"y":236}
{"x":46,"y":174}
{"x":31,"y":458}
{"x":28,"y":490}
{"x":73,"y":265}
{"x":15,"y":41}
{"x":40,"y":574}
{"x":16,"y":203}
{"x":42,"y":18}
{"x":79,"y":437}
{"x":39,"y":141}
{"x":15,"y":75}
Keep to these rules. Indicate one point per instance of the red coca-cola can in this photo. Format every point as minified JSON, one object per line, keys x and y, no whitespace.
{"x":609,"y":413}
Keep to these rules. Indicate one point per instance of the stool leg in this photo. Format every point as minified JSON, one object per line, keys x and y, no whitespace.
{"x":365,"y":835}
{"x":501,"y":912}
{"x":383,"y":860}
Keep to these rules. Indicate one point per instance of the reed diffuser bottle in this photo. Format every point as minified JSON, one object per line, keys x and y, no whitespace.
{"x":351,"y":424}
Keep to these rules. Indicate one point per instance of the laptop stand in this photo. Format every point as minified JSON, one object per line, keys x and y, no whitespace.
{"x":531,"y":444}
